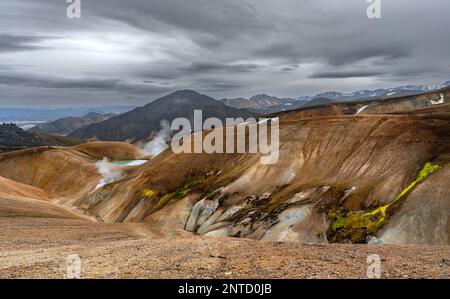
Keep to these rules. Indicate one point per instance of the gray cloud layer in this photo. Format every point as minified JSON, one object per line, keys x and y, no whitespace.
{"x":16,"y":43}
{"x":130,"y":52}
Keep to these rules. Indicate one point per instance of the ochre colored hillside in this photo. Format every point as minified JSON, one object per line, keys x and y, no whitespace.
{"x":13,"y":189}
{"x":113,"y":150}
{"x":339,"y":178}
{"x":67,"y":172}
{"x":329,"y":168}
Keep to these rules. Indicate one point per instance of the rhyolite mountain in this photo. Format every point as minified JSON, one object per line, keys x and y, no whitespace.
{"x":142,"y":122}
{"x":67,"y":125}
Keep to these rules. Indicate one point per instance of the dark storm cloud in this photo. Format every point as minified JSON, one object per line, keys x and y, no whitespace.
{"x":385,"y":52}
{"x":205,"y":67}
{"x":15,"y":43}
{"x":156,"y":73}
{"x":213,"y":18}
{"x":288,"y":69}
{"x":286,"y":51}
{"x":345,"y":74}
{"x":94,"y":84}
{"x":33,"y":81}
{"x":228,"y":48}
{"x":336,"y":55}
{"x":177,"y":72}
{"x":216,"y":86}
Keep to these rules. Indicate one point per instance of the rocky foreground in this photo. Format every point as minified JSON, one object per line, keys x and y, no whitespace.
{"x":35,"y":243}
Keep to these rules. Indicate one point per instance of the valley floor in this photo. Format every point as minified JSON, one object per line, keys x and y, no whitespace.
{"x":37,"y":247}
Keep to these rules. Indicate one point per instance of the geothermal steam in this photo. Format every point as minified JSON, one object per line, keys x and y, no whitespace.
{"x":108,"y":172}
{"x":159,"y":143}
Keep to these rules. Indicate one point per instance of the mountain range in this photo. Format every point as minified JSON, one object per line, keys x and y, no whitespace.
{"x":142,"y":122}
{"x":261,"y":102}
{"x":67,"y":125}
{"x":266,"y":104}
{"x":38,"y":114}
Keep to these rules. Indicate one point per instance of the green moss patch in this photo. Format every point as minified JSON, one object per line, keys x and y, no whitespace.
{"x":187,"y":188}
{"x":356,"y":227}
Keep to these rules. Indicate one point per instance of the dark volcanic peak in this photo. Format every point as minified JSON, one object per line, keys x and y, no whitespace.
{"x":186,"y":96}
{"x":142,"y":122}
{"x":13,"y":136}
{"x":67,"y":125}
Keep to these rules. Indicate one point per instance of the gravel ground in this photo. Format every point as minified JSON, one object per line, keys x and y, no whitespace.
{"x":38,"y":248}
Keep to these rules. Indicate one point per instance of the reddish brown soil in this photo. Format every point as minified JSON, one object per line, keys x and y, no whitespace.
{"x":37,"y":247}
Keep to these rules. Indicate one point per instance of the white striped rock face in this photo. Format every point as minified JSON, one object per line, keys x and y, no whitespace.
{"x":424,"y":217}
{"x":299,"y":224}
{"x":192,"y":220}
{"x":174,"y":216}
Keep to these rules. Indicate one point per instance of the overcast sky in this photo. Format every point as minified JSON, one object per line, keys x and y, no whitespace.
{"x":130,"y":52}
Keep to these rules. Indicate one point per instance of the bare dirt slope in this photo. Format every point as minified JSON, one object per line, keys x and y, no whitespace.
{"x":37,"y":237}
{"x":9,"y":188}
{"x":69,"y":172}
{"x":111,"y":150}
{"x":55,"y":170}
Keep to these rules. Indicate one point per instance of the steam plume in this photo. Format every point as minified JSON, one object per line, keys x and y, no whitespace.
{"x":159,"y":143}
{"x":108,"y":172}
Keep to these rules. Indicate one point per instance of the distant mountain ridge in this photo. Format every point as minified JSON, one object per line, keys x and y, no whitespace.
{"x":264,"y":100}
{"x":240,"y":103}
{"x":67,"y":125}
{"x":142,"y":122}
{"x":267,"y":104}
{"x":12,"y":137}
{"x":396,"y":91}
{"x":36,"y":114}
